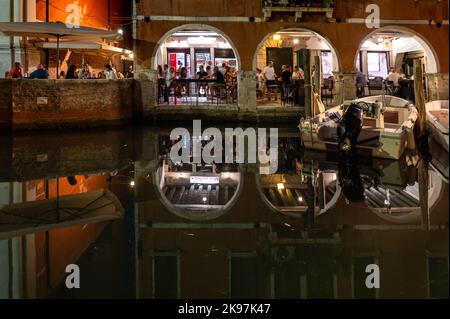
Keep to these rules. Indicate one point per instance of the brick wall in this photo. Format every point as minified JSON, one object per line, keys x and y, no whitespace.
{"x":50,"y":103}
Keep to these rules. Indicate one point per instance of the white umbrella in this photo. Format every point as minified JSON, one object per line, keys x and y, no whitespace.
{"x":56,"y":30}
{"x":88,"y":47}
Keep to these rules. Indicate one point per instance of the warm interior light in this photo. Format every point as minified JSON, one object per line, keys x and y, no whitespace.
{"x":204,"y":199}
{"x":277,"y":37}
{"x":280,"y":186}
{"x":300,"y":199}
{"x":132,"y":183}
{"x":296,"y":41}
{"x":380,"y":40}
{"x":120,"y":31}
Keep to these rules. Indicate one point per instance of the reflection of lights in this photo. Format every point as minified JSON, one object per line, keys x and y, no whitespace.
{"x":120,"y":31}
{"x":204,"y":199}
{"x":132,"y":183}
{"x":300,"y":199}
{"x":280,"y":186}
{"x":277,"y":37}
{"x":387,"y":201}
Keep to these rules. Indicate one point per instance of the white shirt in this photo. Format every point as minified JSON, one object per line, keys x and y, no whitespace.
{"x":394,"y":77}
{"x":269,"y":73}
{"x":110,"y":75}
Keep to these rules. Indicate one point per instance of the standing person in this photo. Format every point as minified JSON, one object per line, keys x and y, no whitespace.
{"x":85,"y":72}
{"x":298,"y":74}
{"x":39,"y":73}
{"x":16,"y":71}
{"x":286,"y":79}
{"x":109,"y":73}
{"x":210,"y":68}
{"x":130,"y":73}
{"x":270,"y":76}
{"x":201,"y":74}
{"x":223,"y":68}
{"x":361,"y":82}
{"x":170,"y":76}
{"x":72,"y":72}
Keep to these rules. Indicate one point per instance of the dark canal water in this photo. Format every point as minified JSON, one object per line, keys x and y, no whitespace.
{"x":319,"y":227}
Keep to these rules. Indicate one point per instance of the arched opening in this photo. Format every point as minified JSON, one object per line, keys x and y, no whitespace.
{"x":196,"y":65}
{"x":297,"y":49}
{"x":388,"y":54}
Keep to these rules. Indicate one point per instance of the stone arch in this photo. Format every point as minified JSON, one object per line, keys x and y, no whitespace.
{"x":334,"y":50}
{"x":201,"y":26}
{"x":432,"y":63}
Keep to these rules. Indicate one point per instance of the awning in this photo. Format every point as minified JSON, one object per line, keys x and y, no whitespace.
{"x":87,"y":47}
{"x":74,"y":210}
{"x":56,"y":30}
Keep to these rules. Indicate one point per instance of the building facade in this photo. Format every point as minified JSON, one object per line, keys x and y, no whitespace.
{"x":345,"y":26}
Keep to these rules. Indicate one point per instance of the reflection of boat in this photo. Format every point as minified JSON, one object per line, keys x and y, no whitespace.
{"x":389,"y":189}
{"x":437,"y":119}
{"x":33,"y":217}
{"x":439,"y":159}
{"x":386,"y":128}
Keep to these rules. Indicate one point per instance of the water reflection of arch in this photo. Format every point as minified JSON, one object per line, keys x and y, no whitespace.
{"x":198,"y":195}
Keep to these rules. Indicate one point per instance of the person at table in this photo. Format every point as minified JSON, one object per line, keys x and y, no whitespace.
{"x":110,"y":73}
{"x":85,"y":72}
{"x":16,"y":71}
{"x":218,"y":76}
{"x":298,"y":74}
{"x":39,"y":73}
{"x":394,"y":76}
{"x":202,"y":74}
{"x":72,"y":72}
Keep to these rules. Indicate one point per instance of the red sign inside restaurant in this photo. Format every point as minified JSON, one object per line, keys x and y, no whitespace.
{"x":86,"y":13}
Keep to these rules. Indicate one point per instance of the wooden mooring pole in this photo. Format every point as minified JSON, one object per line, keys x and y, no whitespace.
{"x":306,"y":59}
{"x":419,"y":94}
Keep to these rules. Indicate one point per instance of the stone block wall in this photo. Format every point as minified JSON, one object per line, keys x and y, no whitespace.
{"x":50,"y":103}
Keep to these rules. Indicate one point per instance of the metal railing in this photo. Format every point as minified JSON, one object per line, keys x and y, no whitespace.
{"x":197,"y":92}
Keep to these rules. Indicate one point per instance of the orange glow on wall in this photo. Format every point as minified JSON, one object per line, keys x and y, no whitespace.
{"x":89,"y":13}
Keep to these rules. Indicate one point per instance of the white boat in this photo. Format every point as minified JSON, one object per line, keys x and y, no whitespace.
{"x":437,"y":120}
{"x":385,"y":134}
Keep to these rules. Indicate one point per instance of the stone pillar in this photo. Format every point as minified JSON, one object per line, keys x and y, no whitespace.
{"x":145,"y":90}
{"x":247,"y":90}
{"x":437,"y":86}
{"x":344,"y":86}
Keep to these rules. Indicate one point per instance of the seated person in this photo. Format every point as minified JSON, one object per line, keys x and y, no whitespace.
{"x":202,"y":74}
{"x":39,"y":73}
